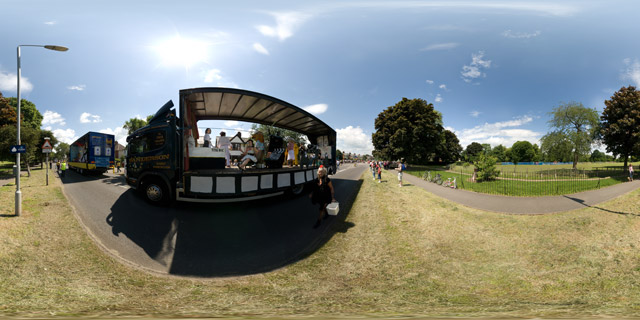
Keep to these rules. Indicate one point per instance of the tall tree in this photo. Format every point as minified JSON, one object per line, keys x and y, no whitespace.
{"x":620,"y":127}
{"x":134,"y":124}
{"x":522,"y":151}
{"x":450,"y":149}
{"x":555,"y":146}
{"x":268,"y":131}
{"x":29,"y":114}
{"x":473,"y":151}
{"x":411,"y":129}
{"x":500,"y":153}
{"x":579,"y":124}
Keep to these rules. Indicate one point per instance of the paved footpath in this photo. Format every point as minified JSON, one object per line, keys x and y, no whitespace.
{"x":525,"y":205}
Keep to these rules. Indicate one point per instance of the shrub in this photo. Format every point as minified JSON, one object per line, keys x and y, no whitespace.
{"x":486,"y":166}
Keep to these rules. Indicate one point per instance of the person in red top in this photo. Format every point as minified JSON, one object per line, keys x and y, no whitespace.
{"x":379,"y":173}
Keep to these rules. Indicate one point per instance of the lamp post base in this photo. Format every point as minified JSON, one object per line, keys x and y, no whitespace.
{"x":18,"y":203}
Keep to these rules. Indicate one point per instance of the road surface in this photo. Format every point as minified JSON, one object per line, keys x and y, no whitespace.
{"x":205,"y":240}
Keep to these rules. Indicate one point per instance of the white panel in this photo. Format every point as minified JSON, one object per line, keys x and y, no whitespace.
{"x":201,"y":184}
{"x":226,"y":185}
{"x":249,"y":184}
{"x":284,"y":180}
{"x":266,"y":181}
{"x":309,"y":175}
{"x":298,"y":177}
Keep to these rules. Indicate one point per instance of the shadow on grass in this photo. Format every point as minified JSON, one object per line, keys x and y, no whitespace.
{"x":580,"y":201}
{"x":227,"y":239}
{"x":7,"y":216}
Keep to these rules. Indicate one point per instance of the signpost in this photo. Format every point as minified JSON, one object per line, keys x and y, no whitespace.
{"x":46,"y":148}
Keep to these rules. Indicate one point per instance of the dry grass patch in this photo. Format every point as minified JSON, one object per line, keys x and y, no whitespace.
{"x":399,"y":251}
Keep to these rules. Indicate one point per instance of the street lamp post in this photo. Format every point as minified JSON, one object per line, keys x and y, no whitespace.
{"x":18,"y":192}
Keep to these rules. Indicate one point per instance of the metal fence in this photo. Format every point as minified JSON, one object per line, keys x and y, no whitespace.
{"x":528,"y":183}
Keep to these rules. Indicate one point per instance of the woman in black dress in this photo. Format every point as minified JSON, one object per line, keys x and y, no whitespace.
{"x":322,"y":194}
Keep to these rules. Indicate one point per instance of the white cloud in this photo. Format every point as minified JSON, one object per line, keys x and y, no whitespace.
{"x":231,"y":124}
{"x":316,"y":108}
{"x":80,"y":87}
{"x":354,"y":140}
{"x":286,"y":22}
{"x":215,"y":76}
{"x":476,"y":68}
{"x":260,"y":49}
{"x":51,"y":23}
{"x":429,"y":81}
{"x":632,"y":72}
{"x":65,"y":135}
{"x":438,"y":98}
{"x":441,"y":46}
{"x":9,"y":82}
{"x":119,"y":133}
{"x":520,"y":35}
{"x":505,"y":133}
{"x":443,"y":87}
{"x":475,"y":114}
{"x":89,"y":118}
{"x":51,"y":117}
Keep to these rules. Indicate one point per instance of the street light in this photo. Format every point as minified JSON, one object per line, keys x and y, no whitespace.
{"x":18,"y":192}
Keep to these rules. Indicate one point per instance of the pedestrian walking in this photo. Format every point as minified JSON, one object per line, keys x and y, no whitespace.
{"x":401,"y":167}
{"x":373,"y":170}
{"x":630,"y":172}
{"x":63,"y":168}
{"x":322,"y":194}
{"x":379,"y":174}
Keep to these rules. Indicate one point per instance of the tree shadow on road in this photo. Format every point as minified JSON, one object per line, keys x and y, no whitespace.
{"x":580,"y":201}
{"x":212,"y":240}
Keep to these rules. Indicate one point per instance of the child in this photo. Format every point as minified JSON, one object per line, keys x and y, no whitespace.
{"x":379,"y":174}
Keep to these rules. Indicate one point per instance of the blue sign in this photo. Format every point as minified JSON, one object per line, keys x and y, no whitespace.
{"x":19,"y":148}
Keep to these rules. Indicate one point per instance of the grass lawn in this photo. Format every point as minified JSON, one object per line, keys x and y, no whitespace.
{"x":399,"y":251}
{"x":532,"y":181}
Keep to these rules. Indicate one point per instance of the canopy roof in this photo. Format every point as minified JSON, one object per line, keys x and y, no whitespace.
{"x":249,"y":106}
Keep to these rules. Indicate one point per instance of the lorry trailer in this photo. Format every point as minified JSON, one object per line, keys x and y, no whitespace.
{"x":165,"y":162}
{"x":93,"y":152}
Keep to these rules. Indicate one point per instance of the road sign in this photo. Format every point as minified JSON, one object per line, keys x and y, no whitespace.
{"x":46,"y":147}
{"x":19,"y":148}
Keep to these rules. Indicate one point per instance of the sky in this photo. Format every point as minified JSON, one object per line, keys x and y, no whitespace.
{"x":494,"y":69}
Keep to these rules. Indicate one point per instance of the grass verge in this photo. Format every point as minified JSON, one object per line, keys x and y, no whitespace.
{"x":399,"y":251}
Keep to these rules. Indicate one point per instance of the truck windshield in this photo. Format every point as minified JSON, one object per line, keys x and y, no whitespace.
{"x":147,"y":142}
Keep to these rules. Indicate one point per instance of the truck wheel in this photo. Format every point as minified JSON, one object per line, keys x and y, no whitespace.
{"x":297,"y":189}
{"x":155,"y":191}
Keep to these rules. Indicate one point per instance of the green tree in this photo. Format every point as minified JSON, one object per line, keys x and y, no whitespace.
{"x":339,"y":155}
{"x":411,"y":129}
{"x":8,"y":113}
{"x":61,"y":150}
{"x":450,"y":149}
{"x":500,"y":153}
{"x":522,"y":151}
{"x":486,"y":166}
{"x":134,"y":124}
{"x":473,"y":151}
{"x":52,"y":139}
{"x":268,"y":131}
{"x":579,"y":124}
{"x":29,"y":114}
{"x":556,"y":146}
{"x":486,"y":148}
{"x":620,"y":127}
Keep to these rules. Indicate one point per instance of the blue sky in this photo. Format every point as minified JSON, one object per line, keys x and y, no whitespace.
{"x":493,"y":68}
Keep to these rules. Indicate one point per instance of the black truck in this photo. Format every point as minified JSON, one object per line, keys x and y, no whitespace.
{"x":165,"y":163}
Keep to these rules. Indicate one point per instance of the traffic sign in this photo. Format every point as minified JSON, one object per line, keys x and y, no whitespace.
{"x":18,"y":149}
{"x":47,"y":145}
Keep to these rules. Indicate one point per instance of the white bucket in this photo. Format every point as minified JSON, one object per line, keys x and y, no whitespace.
{"x":333,"y":208}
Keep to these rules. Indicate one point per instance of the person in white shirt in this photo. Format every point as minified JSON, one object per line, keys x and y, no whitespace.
{"x":225,"y":143}
{"x":207,"y":138}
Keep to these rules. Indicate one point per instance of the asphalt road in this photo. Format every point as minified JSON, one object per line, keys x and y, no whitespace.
{"x":206,"y":240}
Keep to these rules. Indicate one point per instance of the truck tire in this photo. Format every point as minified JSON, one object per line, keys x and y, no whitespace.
{"x":297,"y":189}
{"x":155,"y":191}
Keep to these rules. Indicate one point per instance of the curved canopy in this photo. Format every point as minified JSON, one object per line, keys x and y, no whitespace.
{"x":249,"y":106}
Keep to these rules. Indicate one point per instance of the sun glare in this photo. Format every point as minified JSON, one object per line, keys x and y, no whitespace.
{"x":178,"y":51}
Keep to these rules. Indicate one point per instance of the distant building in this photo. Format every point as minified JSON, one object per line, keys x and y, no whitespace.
{"x":119,"y":152}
